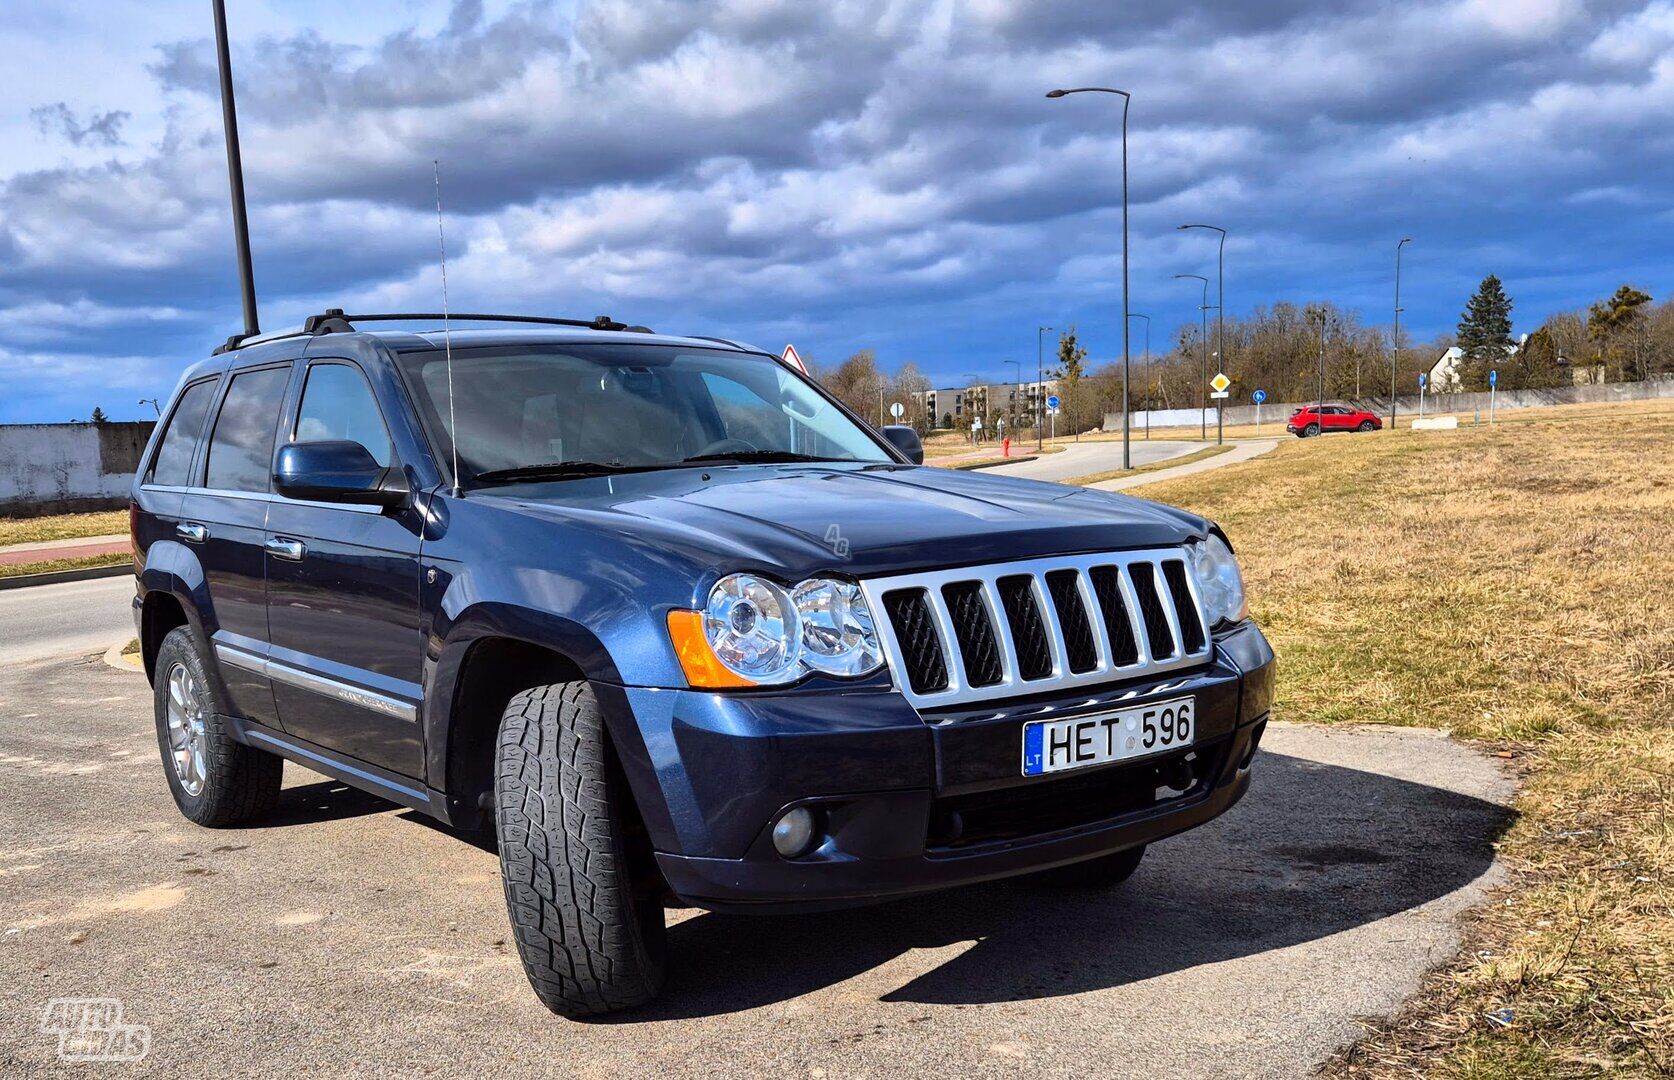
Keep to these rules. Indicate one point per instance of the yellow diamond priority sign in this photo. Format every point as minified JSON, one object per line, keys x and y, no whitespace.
{"x":1220,"y":382}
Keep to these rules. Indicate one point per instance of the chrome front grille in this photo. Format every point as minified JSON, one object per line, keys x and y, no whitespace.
{"x":989,"y":632}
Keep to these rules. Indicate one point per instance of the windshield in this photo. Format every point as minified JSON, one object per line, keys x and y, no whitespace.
{"x":578,"y":406}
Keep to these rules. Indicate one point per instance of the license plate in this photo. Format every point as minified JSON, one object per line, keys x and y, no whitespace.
{"x":1056,"y":745}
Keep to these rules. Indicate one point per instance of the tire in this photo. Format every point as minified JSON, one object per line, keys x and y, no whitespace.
{"x":1367,"y":425}
{"x":1101,"y":873}
{"x":582,"y":889}
{"x":215,"y":780}
{"x":1310,"y":431}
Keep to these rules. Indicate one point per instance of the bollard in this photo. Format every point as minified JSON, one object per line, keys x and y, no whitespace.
{"x":1005,"y":447}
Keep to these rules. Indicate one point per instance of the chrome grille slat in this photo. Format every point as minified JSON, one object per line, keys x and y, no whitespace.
{"x":958,"y":690}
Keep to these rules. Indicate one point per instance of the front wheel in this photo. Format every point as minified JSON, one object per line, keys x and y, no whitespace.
{"x":1105,"y":872}
{"x":1367,"y":425}
{"x":581,"y":883}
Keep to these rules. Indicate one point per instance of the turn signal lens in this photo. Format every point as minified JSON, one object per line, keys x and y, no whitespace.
{"x":702,"y":667}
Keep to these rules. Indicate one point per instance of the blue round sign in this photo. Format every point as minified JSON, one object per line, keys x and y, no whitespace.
{"x":1052,"y":401}
{"x":1421,"y":379}
{"x":1493,"y":378}
{"x":1259,"y":396}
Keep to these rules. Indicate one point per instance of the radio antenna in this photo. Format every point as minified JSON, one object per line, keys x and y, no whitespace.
{"x":447,"y":336}
{"x":235,"y":177}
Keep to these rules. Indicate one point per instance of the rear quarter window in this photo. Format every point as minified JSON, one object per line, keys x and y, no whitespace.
{"x":172,"y":467}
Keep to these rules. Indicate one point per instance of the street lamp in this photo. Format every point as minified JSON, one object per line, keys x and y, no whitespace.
{"x":1127,"y":458}
{"x":1147,"y":318}
{"x":1040,"y":384}
{"x":1395,"y":342}
{"x":1324,"y":322}
{"x":1203,"y":383}
{"x":1012,"y":411}
{"x":1220,"y":319}
{"x":151,"y":401}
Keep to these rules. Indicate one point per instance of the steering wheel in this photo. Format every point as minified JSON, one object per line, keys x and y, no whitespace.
{"x":727,"y":446}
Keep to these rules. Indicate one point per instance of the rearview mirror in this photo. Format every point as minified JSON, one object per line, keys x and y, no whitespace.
{"x":337,"y":471}
{"x":905,"y":439}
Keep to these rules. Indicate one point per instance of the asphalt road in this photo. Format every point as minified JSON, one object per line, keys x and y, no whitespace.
{"x":59,"y":620}
{"x":1084,"y":459}
{"x":345,"y":936}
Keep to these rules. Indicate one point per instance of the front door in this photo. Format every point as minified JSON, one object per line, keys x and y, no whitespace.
{"x":225,"y":520}
{"x":343,"y":591}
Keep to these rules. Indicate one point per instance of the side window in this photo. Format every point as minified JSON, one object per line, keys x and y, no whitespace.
{"x":172,"y":467}
{"x":337,"y":403}
{"x":241,"y":450}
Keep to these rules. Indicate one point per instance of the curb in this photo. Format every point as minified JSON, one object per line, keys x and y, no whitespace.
{"x":55,"y":577}
{"x":130,"y":663}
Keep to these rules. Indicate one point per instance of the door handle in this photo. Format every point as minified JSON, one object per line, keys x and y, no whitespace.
{"x":191,"y":532}
{"x":289,"y":550}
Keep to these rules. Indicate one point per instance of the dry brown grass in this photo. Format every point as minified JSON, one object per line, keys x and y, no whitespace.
{"x":47,"y":566}
{"x":62,"y":527}
{"x":1512,"y":584}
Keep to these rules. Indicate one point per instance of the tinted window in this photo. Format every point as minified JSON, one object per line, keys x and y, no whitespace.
{"x":337,"y":403}
{"x":241,"y":450}
{"x":173,"y":464}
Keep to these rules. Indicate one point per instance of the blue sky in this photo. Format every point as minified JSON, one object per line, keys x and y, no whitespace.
{"x":851,"y":173}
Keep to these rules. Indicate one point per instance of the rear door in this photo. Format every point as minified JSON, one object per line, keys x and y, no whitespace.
{"x":343,"y":594}
{"x":224,"y":517}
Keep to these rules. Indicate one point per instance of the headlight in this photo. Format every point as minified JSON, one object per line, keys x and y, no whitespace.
{"x":1219,"y":581}
{"x":754,"y":632}
{"x":752,"y":626}
{"x":837,"y":633}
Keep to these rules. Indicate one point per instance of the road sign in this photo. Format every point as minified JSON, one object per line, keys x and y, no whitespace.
{"x":1220,"y":394}
{"x":1220,"y":382}
{"x":897,"y":410}
{"x":1259,"y":396}
{"x":1493,"y":378}
{"x":1052,"y":401}
{"x":1052,"y":410}
{"x":1422,"y":379}
{"x":790,"y":357}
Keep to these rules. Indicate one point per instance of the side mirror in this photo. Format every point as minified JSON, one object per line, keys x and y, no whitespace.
{"x":906,"y":440}
{"x":337,"y":471}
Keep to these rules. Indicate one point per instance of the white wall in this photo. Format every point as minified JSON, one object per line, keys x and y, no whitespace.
{"x":44,"y":465}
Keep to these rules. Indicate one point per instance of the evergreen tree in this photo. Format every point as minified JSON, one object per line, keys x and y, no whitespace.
{"x":1617,"y":325}
{"x":1484,"y":333}
{"x":99,"y":416}
{"x":1535,"y":366}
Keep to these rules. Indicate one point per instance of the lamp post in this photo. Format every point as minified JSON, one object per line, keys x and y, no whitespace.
{"x":1395,"y":341}
{"x":1127,"y":456}
{"x":1324,"y":322}
{"x":1147,"y":318}
{"x":1220,"y":319}
{"x":1040,"y":383}
{"x":151,"y":401}
{"x":1012,"y":412}
{"x":1203,"y":383}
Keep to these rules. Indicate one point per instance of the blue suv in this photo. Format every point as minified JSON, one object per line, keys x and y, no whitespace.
{"x":682,"y":628}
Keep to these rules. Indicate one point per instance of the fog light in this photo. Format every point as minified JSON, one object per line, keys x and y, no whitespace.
{"x":793,"y":834}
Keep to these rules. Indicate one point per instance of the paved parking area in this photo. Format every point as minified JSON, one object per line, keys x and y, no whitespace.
{"x":346,"y":936}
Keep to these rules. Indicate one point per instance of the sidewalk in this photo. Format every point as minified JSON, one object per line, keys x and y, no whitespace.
{"x":1243,"y":451}
{"x":79,"y":547}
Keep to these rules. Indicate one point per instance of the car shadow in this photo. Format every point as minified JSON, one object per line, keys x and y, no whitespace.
{"x":1312,"y":850}
{"x":326,"y":800}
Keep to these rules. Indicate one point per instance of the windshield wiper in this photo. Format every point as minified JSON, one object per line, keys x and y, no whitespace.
{"x":769,"y":456}
{"x":562,"y":470}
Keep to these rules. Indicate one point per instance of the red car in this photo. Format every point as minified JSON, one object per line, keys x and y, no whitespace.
{"x":1316,"y":420}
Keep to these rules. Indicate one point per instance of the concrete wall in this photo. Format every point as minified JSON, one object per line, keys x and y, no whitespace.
{"x":1277,"y":414}
{"x":60,"y":468}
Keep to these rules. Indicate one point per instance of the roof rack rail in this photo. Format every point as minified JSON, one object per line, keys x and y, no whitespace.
{"x":333,"y":320}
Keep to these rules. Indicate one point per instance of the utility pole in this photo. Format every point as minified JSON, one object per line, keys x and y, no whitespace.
{"x":1040,"y":384}
{"x":1395,"y":342}
{"x":1203,"y":381}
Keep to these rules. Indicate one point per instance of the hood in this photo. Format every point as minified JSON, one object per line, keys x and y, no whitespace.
{"x":861,"y":520}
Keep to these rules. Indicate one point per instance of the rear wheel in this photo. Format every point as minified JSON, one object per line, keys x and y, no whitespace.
{"x":1310,"y":431}
{"x":581,"y":885}
{"x":1102,"y":873}
{"x":1367,"y":425}
{"x":215,"y":780}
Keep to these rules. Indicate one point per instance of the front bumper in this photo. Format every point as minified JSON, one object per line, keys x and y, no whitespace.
{"x":910,"y":803}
